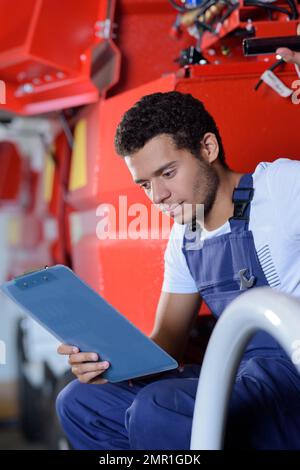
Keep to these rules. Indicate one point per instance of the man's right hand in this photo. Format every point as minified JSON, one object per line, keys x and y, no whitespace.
{"x":84,"y":365}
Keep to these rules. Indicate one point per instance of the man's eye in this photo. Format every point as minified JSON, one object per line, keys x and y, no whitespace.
{"x":145,"y":186}
{"x":169,"y":174}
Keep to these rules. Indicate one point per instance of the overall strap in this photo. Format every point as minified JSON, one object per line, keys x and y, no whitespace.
{"x":241,"y":197}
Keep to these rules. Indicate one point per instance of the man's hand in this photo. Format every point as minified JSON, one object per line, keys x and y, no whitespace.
{"x":289,"y":56}
{"x":84,"y":365}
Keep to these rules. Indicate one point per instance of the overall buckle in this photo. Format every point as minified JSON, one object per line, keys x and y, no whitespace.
{"x":240,"y":205}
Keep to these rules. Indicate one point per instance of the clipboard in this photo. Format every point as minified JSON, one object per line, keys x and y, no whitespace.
{"x":76,"y":314}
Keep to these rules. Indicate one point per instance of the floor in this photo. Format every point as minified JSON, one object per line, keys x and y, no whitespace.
{"x":11,"y":439}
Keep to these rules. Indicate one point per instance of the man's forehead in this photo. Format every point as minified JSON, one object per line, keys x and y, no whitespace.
{"x":158,"y":152}
{"x":162,"y":143}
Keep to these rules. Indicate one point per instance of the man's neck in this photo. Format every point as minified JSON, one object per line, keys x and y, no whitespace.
{"x":222,"y":208}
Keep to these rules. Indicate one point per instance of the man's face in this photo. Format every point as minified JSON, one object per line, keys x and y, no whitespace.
{"x":174,"y":180}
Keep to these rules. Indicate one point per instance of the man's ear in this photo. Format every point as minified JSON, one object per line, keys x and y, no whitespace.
{"x":209,"y":147}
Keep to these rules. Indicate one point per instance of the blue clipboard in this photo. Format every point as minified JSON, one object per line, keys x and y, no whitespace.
{"x":75,"y":314}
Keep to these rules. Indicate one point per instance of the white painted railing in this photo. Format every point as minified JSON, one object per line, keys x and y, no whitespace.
{"x":259,"y":309}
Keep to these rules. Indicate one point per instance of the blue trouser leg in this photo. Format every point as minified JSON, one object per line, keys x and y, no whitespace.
{"x":264,"y":410}
{"x":95,"y":416}
{"x":160,"y":418}
{"x":92,"y":415}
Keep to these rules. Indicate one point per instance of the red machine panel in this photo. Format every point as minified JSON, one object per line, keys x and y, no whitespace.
{"x":46,"y":52}
{"x":251,"y":122}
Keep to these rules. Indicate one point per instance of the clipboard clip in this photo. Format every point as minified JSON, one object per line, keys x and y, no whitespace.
{"x":32,"y":271}
{"x":33,"y":278}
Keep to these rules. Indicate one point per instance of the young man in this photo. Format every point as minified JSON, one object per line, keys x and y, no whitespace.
{"x":173,"y":150}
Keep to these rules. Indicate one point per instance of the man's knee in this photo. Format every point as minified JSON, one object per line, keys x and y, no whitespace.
{"x":154,"y":396}
{"x":66,"y":398}
{"x":153,"y":418}
{"x":92,"y":415}
{"x":174,"y":395}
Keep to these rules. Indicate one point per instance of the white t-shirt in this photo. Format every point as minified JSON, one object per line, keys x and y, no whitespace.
{"x":274,"y":222}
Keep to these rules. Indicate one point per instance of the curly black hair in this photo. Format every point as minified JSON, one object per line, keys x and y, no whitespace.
{"x":179,"y":115}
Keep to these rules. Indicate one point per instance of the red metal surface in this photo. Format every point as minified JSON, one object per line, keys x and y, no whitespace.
{"x":251,"y":122}
{"x":263,"y":28}
{"x":11,"y":173}
{"x":154,"y":53}
{"x":45,"y":53}
{"x":58,"y":207}
{"x":148,"y":50}
{"x":51,"y":212}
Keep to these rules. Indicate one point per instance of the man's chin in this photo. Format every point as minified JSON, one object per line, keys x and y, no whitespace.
{"x":185,"y":213}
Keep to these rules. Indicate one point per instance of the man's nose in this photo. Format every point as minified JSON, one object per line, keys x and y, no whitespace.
{"x":159,"y":192}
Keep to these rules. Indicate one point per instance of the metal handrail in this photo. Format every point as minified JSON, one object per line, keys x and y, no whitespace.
{"x":260,"y":309}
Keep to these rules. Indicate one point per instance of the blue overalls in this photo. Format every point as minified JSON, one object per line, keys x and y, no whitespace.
{"x":264,"y":411}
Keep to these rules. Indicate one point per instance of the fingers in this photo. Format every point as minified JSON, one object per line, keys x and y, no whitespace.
{"x":86,"y":373}
{"x":288,"y":55}
{"x":84,"y":365}
{"x":67,"y":349}
{"x":83,"y":357}
{"x":80,"y":369}
{"x":75,"y":355}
